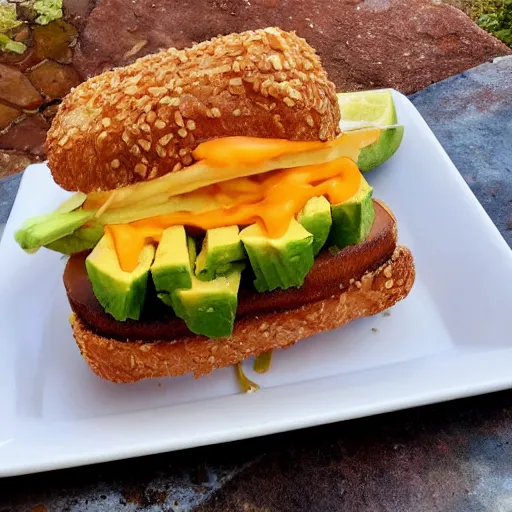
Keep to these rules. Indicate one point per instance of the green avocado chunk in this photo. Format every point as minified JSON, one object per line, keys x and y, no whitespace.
{"x":45,"y":229}
{"x":172,"y":268}
{"x":221,"y":247}
{"x":209,"y":307}
{"x":279,"y":262}
{"x":121,"y":293}
{"x":316,"y":218}
{"x":352,"y":219}
{"x":82,"y":239}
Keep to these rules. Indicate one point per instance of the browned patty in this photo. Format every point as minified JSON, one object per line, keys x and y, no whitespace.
{"x":329,"y":274}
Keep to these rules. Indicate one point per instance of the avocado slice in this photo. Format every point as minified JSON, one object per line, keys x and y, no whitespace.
{"x":279,"y":262}
{"x":174,"y":259}
{"x":82,"y":239}
{"x":316,"y":218}
{"x":352,"y":219}
{"x":121,"y":293}
{"x":209,"y":307}
{"x":221,"y":247}
{"x":45,"y":229}
{"x":377,"y":153}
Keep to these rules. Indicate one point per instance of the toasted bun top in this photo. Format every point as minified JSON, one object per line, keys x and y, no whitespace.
{"x":142,"y":121}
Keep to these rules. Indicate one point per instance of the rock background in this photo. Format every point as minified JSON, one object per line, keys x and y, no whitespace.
{"x":404,"y":44}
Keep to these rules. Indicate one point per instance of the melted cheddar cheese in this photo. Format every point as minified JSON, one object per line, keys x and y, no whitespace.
{"x":271,"y":200}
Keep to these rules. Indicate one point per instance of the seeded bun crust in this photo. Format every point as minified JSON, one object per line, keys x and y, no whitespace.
{"x":132,"y":361}
{"x":142,"y":121}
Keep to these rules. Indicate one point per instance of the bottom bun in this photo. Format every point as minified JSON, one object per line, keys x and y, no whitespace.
{"x":131,"y":361}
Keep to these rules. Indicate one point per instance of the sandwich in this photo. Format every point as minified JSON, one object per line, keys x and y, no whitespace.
{"x":218,"y":210}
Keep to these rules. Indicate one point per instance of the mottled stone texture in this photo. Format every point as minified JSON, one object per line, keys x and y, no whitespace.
{"x":471,"y":114}
{"x":404,"y":44}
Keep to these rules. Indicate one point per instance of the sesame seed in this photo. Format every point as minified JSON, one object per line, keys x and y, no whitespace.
{"x":115,"y":163}
{"x":166,"y":100}
{"x":294,"y":94}
{"x":178,"y":118}
{"x":388,"y":284}
{"x":125,"y":137}
{"x":182,"y":152}
{"x":144,"y":144}
{"x":131,"y":90}
{"x":151,"y":116}
{"x":216,"y":112}
{"x":153,"y":172}
{"x":145,"y":128}
{"x":160,"y":151}
{"x":309,"y":120}
{"x":63,"y":140}
{"x":163,"y":141}
{"x":236,"y":112}
{"x":358,"y":284}
{"x":191,"y":125}
{"x":289,"y":102}
{"x":177,"y":167}
{"x":106,"y":122}
{"x":141,"y":170}
{"x":182,"y":133}
{"x":235,"y":81}
{"x":160,"y":124}
{"x":148,"y":107}
{"x":101,"y":137}
{"x":236,"y":67}
{"x":276,"y":62}
{"x":135,"y":150}
{"x":388,"y":272}
{"x":178,"y":90}
{"x":157,"y":91}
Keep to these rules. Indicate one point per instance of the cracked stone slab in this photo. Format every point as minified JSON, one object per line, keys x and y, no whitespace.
{"x":471,"y":115}
{"x":403,"y":44}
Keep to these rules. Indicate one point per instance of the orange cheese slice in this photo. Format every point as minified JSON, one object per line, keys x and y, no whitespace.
{"x":228,"y":158}
{"x":249,"y":150}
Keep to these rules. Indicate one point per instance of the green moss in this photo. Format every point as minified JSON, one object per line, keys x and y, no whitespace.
{"x":8,"y":19}
{"x":8,"y":45}
{"x":499,"y":22}
{"x":48,"y":10}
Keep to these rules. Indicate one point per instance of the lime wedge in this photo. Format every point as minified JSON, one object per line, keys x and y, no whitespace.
{"x":369,"y":109}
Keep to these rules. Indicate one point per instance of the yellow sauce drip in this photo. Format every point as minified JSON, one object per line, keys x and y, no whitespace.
{"x":262,"y":362}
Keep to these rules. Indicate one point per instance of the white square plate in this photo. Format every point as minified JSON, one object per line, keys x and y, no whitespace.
{"x":450,"y":338}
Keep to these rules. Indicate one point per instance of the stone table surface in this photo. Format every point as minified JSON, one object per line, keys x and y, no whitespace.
{"x":453,"y":457}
